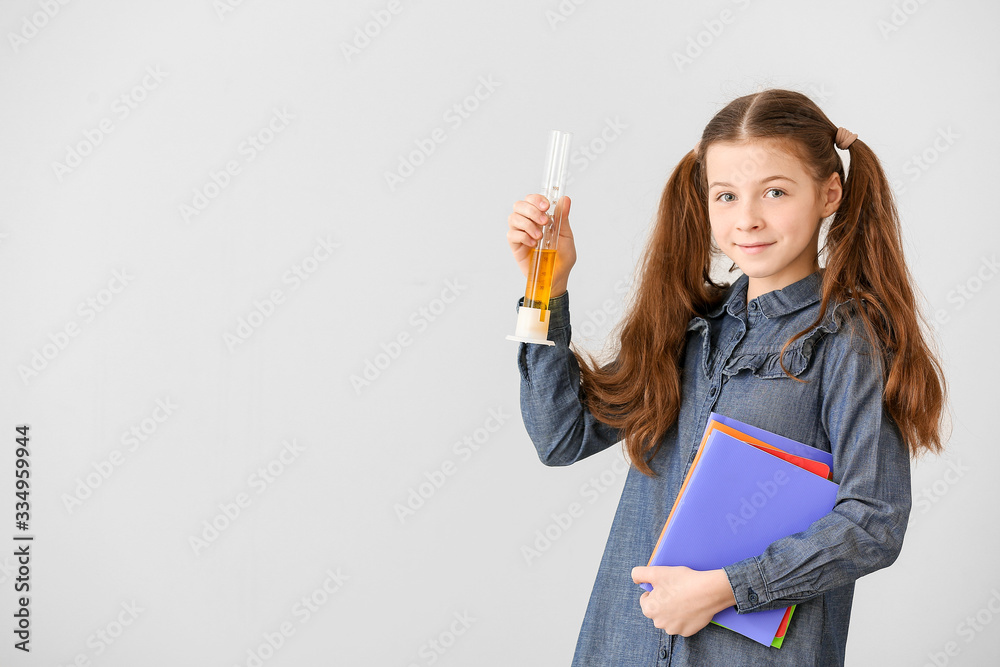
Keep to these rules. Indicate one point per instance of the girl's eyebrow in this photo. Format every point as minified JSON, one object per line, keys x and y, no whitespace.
{"x":776,"y":177}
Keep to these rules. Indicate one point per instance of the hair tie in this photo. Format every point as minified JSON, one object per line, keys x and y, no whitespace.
{"x":844,"y":138}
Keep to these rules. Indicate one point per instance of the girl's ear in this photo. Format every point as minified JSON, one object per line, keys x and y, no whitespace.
{"x":831,"y":193}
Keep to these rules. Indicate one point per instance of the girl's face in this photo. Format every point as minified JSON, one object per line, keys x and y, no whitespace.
{"x":766,"y":210}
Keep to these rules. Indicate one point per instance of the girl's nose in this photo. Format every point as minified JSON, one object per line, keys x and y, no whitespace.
{"x":748,"y":218}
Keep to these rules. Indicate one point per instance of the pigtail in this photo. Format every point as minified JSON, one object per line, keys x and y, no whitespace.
{"x":640,"y":392}
{"x":866,"y":261}
{"x":866,"y":256}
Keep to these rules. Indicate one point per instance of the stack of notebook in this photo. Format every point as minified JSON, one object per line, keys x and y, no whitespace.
{"x":746,"y":488}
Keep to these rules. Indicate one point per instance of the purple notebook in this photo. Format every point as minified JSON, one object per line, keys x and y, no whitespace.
{"x":781,"y":442}
{"x":739,"y":500}
{"x":786,"y":445}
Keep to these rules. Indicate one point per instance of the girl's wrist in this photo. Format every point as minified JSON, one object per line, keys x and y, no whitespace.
{"x":722,"y":591}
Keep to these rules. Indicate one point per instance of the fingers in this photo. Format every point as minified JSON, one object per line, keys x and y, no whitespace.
{"x":533,"y":208}
{"x":518,"y":238}
{"x":644,"y":601}
{"x":640,"y":575}
{"x":538,"y":200}
{"x":564,"y":206}
{"x":527,"y":220}
{"x":650,"y":606}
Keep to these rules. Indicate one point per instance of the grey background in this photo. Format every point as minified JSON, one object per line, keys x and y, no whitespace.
{"x":899,"y":74}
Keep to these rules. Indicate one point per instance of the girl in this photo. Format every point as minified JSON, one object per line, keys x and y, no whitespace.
{"x":830,"y":356}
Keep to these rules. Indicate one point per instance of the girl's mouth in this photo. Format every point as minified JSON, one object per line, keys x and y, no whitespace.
{"x":755,"y":248}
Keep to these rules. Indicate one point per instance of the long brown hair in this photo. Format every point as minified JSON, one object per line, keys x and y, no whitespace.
{"x":640,"y":392}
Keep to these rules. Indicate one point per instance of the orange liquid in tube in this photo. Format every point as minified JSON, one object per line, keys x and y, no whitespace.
{"x":543,"y":263}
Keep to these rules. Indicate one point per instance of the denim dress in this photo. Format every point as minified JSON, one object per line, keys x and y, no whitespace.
{"x":730,"y":365}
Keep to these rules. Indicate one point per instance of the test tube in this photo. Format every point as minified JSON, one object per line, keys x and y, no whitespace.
{"x":533,"y":316}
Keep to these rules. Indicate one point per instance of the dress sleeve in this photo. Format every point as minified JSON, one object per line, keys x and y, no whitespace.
{"x":561,"y":428}
{"x":864,"y":531}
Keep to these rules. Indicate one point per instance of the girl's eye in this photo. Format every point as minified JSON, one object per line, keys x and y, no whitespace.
{"x":781,"y":193}
{"x":725,"y":194}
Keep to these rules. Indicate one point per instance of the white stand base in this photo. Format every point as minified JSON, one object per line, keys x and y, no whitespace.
{"x":532,"y":326}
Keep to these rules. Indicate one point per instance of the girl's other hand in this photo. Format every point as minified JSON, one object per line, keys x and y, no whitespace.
{"x":683,"y":601}
{"x":525,"y":230}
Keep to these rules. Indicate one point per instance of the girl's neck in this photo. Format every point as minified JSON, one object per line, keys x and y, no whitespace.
{"x":758,"y":286}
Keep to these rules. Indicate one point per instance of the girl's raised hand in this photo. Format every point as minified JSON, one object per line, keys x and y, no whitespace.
{"x":525,"y":229}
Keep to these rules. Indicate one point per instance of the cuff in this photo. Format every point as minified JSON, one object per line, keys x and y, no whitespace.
{"x":749,"y":587}
{"x":558,"y":310}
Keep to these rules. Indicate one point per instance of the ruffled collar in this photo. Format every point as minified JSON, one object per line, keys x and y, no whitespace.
{"x":776,"y":303}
